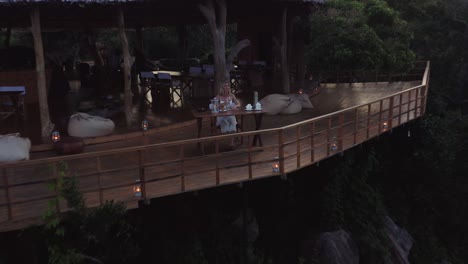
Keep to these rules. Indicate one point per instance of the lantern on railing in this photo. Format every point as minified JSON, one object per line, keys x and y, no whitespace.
{"x":137,"y":189}
{"x":55,"y":136}
{"x":144,"y":125}
{"x":334,"y":144}
{"x":385,"y":124}
{"x":275,"y":166}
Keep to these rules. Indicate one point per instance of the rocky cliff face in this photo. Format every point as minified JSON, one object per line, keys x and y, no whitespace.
{"x":400,"y":242}
{"x":338,"y":247}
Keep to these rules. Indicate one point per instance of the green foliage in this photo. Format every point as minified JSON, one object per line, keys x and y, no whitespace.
{"x":357,"y":35}
{"x":351,"y":203}
{"x":99,"y":235}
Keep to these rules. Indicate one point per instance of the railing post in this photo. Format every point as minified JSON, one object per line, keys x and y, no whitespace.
{"x":249,"y":157}
{"x":356,"y":119}
{"x":399,"y":108}
{"x":312,"y":142}
{"x":281,"y":150}
{"x":409,"y":107}
{"x":57,"y":191}
{"x":141,"y":165}
{"x":7,"y":194}
{"x":340,"y":132}
{"x":424,"y":99}
{"x":218,"y":180}
{"x":99,"y":169}
{"x":298,"y":146}
{"x":328,"y":137}
{"x":368,"y":120}
{"x":379,"y":127}
{"x":390,"y":113}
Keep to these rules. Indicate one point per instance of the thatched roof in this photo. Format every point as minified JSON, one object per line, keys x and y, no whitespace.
{"x":147,"y":13}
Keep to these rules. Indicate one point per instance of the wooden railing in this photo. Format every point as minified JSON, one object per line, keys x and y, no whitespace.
{"x":324,"y":77}
{"x":176,"y":167}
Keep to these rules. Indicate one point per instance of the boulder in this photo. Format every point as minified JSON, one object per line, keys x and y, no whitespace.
{"x":303,"y":99}
{"x":400,"y":241}
{"x":293,"y":108}
{"x":84,"y":125}
{"x":273,"y":104}
{"x":332,"y":248}
{"x":14,"y":148}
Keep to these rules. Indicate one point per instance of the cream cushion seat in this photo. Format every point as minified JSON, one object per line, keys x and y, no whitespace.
{"x":84,"y":125}
{"x":14,"y":148}
{"x":303,"y":99}
{"x":273,"y":104}
{"x":293,"y":108}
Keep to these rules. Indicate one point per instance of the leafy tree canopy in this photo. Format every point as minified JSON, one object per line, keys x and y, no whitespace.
{"x":359,"y":35}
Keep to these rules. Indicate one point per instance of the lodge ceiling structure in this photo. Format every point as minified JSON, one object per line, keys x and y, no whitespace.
{"x":102,"y":14}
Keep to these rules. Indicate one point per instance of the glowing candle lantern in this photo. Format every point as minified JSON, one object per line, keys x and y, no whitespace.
{"x":55,"y":136}
{"x":300,"y":91}
{"x":137,"y":189}
{"x":144,"y":125}
{"x":334,"y":144}
{"x":385,"y":124}
{"x":275,"y":167}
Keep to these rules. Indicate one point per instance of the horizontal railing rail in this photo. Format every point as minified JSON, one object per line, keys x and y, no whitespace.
{"x":145,"y":172}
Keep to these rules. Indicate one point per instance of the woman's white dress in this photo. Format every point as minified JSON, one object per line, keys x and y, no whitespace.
{"x":227,"y":123}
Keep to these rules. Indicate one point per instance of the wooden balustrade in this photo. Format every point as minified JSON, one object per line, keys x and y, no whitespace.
{"x":176,"y":167}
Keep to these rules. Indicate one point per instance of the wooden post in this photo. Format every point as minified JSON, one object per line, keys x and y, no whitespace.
{"x":283,"y":51}
{"x":126,"y":68}
{"x":46,"y":125}
{"x":298,"y":146}
{"x":281,"y":151}
{"x":312,"y":142}
{"x":356,"y":120}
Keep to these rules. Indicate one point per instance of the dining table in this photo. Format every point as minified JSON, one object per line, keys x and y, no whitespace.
{"x":241,"y":113}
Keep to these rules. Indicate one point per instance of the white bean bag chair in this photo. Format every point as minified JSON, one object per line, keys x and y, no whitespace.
{"x":293,"y":108}
{"x":303,"y":99}
{"x":14,"y":148}
{"x":84,"y":125}
{"x":273,"y":104}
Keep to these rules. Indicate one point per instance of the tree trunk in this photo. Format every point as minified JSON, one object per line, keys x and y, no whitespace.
{"x":46,"y":125}
{"x":234,"y":51}
{"x":217,"y":23}
{"x":216,"y":18}
{"x":126,"y":68}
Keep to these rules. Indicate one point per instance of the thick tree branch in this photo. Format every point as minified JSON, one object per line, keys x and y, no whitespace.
{"x":234,"y":51}
{"x":209,"y":13}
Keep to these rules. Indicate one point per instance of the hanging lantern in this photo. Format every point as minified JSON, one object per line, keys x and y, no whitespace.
{"x":144,"y":125}
{"x":137,"y":189}
{"x":55,"y":136}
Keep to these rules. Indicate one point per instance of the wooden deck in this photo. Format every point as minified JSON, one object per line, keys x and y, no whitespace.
{"x":168,"y":162}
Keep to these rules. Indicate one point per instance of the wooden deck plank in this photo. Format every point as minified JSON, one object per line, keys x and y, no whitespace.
{"x":168,"y":169}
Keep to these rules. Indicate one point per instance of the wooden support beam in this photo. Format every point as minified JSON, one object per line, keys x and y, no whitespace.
{"x":126,"y":68}
{"x":46,"y":125}
{"x":284,"y":51}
